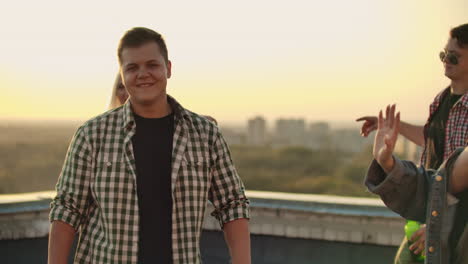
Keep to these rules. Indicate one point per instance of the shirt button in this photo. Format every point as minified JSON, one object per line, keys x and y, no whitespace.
{"x":431,"y":249}
{"x":435,"y":213}
{"x":438,"y":178}
{"x":109,"y":164}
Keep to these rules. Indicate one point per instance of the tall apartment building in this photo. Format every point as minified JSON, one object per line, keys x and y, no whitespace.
{"x":290,"y":132}
{"x":256,"y":131}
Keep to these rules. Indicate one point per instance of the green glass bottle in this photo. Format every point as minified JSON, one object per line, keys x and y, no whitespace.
{"x":411,"y":227}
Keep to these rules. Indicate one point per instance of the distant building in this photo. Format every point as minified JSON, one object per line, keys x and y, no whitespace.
{"x":290,"y":132}
{"x":233,"y":137}
{"x":256,"y":131}
{"x":349,"y":140}
{"x":319,"y":136}
{"x":319,"y":128}
{"x":293,"y":132}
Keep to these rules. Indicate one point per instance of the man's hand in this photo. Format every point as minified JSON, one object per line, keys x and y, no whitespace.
{"x":386,"y":137}
{"x":417,"y":241}
{"x":370,"y":124}
{"x":414,"y":133}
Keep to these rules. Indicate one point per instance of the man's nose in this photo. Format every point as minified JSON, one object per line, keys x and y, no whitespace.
{"x":143,"y":72}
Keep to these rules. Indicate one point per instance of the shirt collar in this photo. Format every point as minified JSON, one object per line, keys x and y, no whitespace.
{"x":463,"y":100}
{"x":128,"y":120}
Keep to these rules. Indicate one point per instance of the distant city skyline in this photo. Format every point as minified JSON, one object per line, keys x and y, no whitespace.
{"x":240,"y":124}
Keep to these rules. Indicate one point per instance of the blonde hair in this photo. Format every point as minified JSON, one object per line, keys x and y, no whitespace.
{"x":114,"y":102}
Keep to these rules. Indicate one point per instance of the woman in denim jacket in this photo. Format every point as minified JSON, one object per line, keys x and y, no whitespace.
{"x":424,"y":195}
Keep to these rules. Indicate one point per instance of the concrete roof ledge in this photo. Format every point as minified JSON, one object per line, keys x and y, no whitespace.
{"x":308,"y":216}
{"x":303,"y":197}
{"x":341,"y":205}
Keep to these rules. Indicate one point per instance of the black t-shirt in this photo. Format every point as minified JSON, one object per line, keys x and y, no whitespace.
{"x":152,"y":147}
{"x":436,"y":131}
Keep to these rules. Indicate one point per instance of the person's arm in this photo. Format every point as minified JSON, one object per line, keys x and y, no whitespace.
{"x":401,"y":185}
{"x":412,"y":132}
{"x":227,"y":194}
{"x":237,"y":236}
{"x":60,"y":242}
{"x":68,"y":208}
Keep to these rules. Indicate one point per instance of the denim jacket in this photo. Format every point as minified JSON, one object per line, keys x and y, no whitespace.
{"x":422,"y":195}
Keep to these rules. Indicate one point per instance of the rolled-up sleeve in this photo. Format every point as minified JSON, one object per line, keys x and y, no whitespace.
{"x":70,"y":202}
{"x":227,"y":192}
{"x":404,"y":190}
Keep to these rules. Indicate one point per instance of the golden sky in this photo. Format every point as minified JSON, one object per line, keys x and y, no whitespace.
{"x":320,"y":60}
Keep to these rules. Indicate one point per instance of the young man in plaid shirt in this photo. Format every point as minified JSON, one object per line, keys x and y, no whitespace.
{"x":136,"y":179}
{"x":446,"y":128}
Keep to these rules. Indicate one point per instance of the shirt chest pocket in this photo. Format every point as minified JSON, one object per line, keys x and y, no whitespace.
{"x":195,"y":172}
{"x":112,"y":179}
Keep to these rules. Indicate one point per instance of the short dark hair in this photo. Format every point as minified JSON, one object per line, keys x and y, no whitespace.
{"x":138,"y":36}
{"x":460,"y":33}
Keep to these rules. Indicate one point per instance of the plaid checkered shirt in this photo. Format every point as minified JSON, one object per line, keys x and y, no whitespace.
{"x":96,"y":191}
{"x":456,"y":130}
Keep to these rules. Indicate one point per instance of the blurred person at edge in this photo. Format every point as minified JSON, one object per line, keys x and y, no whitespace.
{"x":422,"y":195}
{"x":446,"y":130}
{"x":134,"y":197}
{"x":119,"y":94}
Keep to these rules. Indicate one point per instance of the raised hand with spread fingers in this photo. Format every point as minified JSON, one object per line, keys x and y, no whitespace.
{"x":386,"y":137}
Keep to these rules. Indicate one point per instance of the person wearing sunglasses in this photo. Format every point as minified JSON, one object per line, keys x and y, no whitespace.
{"x":446,"y":130}
{"x":119,"y":95}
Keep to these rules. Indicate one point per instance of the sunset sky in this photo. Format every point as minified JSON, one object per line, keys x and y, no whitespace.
{"x":320,"y":60}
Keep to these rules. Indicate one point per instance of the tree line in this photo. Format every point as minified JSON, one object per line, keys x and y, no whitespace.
{"x":31,"y":160}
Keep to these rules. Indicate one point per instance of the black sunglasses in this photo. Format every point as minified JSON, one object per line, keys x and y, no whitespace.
{"x":449,"y":57}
